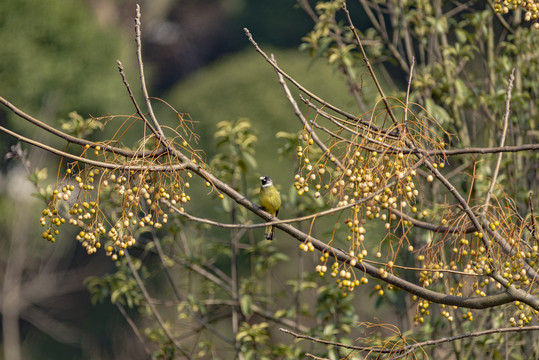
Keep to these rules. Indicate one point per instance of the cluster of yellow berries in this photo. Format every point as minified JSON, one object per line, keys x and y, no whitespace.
{"x":306,"y":246}
{"x":134,"y":194}
{"x":385,"y":179}
{"x":530,"y":6}
{"x":423,"y":309}
{"x":346,"y":279}
{"x":431,"y":274}
{"x":522,"y":317}
{"x":54,"y":219}
{"x":376,"y":182}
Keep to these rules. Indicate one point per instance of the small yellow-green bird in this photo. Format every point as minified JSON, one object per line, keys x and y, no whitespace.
{"x":270,"y":200}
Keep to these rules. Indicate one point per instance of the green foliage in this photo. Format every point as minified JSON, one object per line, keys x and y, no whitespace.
{"x":79,"y":126}
{"x":264,"y":256}
{"x":252,"y":337}
{"x":236,"y":141}
{"x":37,"y":178}
{"x":166,"y":350}
{"x":118,"y":287}
{"x":55,"y":58}
{"x":255,"y":342}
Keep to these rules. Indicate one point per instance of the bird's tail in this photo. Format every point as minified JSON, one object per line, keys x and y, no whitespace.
{"x":269,"y":232}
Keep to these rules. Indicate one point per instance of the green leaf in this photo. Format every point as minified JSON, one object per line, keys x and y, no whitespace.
{"x":115,"y":295}
{"x":250,"y":160}
{"x":245,"y":304}
{"x":38,"y":175}
{"x":227,"y":204}
{"x":241,"y":334}
{"x":438,"y":112}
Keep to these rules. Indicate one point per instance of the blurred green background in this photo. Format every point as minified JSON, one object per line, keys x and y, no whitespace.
{"x":58,"y":56}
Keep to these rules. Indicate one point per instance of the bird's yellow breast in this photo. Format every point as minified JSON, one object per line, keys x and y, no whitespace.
{"x":270,"y":199}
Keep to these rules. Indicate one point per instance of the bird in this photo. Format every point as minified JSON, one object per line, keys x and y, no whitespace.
{"x":270,"y":200}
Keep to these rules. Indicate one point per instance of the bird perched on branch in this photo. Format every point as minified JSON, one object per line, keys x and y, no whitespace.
{"x":270,"y":200}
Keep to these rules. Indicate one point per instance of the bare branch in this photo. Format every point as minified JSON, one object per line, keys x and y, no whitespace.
{"x":156,"y":126}
{"x":132,"y":97}
{"x":101,"y":164}
{"x":404,"y":350}
{"x":377,"y":349}
{"x":69,"y":138}
{"x":435,"y":228}
{"x":367,"y":62}
{"x":502,"y":142}
{"x":412,"y":347}
{"x":407,"y":98}
{"x":380,"y":29}
{"x":321,"y":145}
{"x":303,"y":89}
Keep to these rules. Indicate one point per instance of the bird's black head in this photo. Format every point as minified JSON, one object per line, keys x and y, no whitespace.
{"x":266,"y":181}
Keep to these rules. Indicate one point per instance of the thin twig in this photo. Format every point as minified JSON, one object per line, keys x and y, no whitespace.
{"x":434,"y":228}
{"x":180,"y":298}
{"x":369,"y":67}
{"x":70,"y":138}
{"x":132,"y":97}
{"x":152,"y":307}
{"x":308,"y":9}
{"x":133,"y":327}
{"x":382,"y":33}
{"x":468,"y":335}
{"x":315,"y":357}
{"x":408,"y":348}
{"x":346,"y":68}
{"x":378,"y":349}
{"x":303,"y":89}
{"x":101,"y":164}
{"x":500,"y":18}
{"x":223,"y":283}
{"x":308,"y":128}
{"x":156,"y":126}
{"x":353,"y":132}
{"x":407,"y":99}
{"x":502,"y":142}
{"x":350,"y":142}
{"x":534,"y":231}
{"x":485,"y":150}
